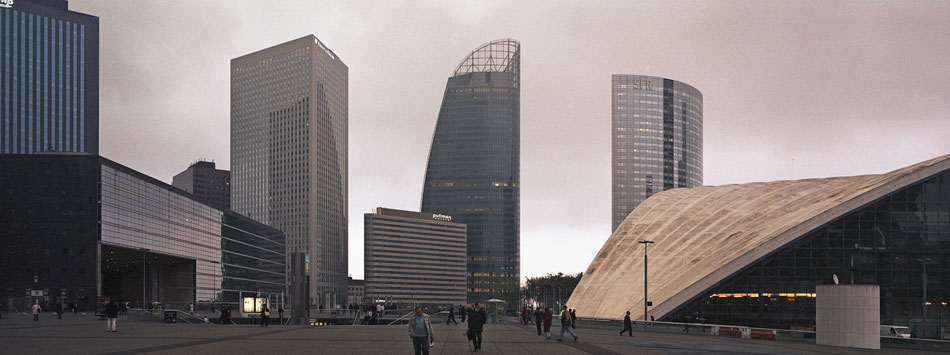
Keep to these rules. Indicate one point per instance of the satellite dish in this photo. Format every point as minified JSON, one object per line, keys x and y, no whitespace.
{"x":835,"y":278}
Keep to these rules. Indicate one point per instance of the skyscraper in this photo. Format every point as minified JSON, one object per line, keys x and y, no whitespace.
{"x":289,"y":153}
{"x":473,"y":169}
{"x":656,"y":139}
{"x":49,"y":78}
{"x":209,"y":185}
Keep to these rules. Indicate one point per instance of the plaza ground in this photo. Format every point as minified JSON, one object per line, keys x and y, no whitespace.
{"x":74,"y":334}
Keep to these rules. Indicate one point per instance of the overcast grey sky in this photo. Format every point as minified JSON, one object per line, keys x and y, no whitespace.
{"x":843,"y":88}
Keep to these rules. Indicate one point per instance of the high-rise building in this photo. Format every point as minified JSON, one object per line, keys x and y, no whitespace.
{"x":473,"y":169}
{"x":49,"y":78}
{"x":414,"y":258}
{"x":289,"y":153}
{"x":209,"y":185}
{"x":656,"y":139}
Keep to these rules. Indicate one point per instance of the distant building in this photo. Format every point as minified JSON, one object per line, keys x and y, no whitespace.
{"x":289,"y":112}
{"x":656,"y":139}
{"x":414,"y":258}
{"x":210,"y":185}
{"x":49,"y":78}
{"x":77,"y":227}
{"x":473,"y":173}
{"x":354,"y":291}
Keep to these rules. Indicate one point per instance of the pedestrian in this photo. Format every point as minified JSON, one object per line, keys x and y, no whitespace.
{"x":464,"y":311}
{"x":212,"y":307}
{"x":524,"y":315}
{"x":59,"y":310}
{"x":538,"y":318}
{"x":573,"y":313}
{"x":36,"y":310}
{"x":280,"y":313}
{"x":72,"y":305}
{"x":191,"y":308}
{"x":112,"y":314}
{"x":627,"y":325}
{"x":420,"y":332}
{"x":223,"y":316}
{"x":651,"y":318}
{"x":451,"y":316}
{"x":548,"y":319}
{"x":476,"y":322}
{"x":265,"y":315}
{"x":566,"y":324}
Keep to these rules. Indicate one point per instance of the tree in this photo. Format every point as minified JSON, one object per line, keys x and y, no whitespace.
{"x":551,"y":288}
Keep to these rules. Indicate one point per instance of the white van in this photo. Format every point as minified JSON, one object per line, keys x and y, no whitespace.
{"x":895,"y":331}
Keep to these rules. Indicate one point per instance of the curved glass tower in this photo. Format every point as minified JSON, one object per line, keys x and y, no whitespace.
{"x":473,"y":173}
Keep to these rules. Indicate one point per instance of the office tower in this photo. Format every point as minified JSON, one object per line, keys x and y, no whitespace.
{"x":209,"y":185}
{"x":289,"y":153}
{"x":656,"y":139}
{"x":414,"y":258}
{"x":49,"y":78}
{"x":473,"y":173}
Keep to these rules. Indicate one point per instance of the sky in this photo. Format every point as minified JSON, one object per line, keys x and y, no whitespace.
{"x":791,"y":90}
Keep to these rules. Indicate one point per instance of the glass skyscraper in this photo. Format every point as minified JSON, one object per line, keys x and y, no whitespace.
{"x":49,"y":78}
{"x":656,"y":139}
{"x":473,"y":169}
{"x":289,"y":153}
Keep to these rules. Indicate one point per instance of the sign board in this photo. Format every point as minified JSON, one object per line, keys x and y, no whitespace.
{"x":248,"y":305}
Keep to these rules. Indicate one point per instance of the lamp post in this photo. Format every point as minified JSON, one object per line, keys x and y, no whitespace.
{"x":645,"y":302}
{"x":144,"y":250}
{"x":923,"y":262}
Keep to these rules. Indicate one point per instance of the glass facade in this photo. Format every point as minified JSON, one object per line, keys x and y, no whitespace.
{"x":889,"y":242}
{"x":49,"y":74}
{"x":289,"y":115}
{"x":473,"y":168}
{"x":656,"y":139}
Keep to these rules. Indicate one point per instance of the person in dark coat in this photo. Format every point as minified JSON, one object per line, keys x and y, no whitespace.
{"x":627,"y":325}
{"x":112,"y":314}
{"x":548,"y":318}
{"x":280,"y":313}
{"x":476,"y":320}
{"x":451,"y":316}
{"x":538,"y":318}
{"x":463,"y":310}
{"x":265,"y":315}
{"x":573,"y":313}
{"x":59,"y":310}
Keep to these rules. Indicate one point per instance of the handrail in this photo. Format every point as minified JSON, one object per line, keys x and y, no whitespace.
{"x":413,"y":312}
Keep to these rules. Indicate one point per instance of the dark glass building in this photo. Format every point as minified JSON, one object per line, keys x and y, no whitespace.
{"x":49,"y":78}
{"x":210,"y":185}
{"x":473,"y":169}
{"x":753,"y":254}
{"x":78,"y":227}
{"x":656,"y":139}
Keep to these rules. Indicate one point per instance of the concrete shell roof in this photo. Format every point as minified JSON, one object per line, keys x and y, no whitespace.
{"x":705,"y":234}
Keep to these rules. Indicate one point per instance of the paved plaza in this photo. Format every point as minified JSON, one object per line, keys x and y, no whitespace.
{"x":86,"y":335}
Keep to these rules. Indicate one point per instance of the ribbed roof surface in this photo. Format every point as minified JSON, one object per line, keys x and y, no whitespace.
{"x":705,"y":234}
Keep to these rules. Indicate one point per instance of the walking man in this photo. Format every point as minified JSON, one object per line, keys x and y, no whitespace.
{"x":59,"y":310}
{"x":420,"y":331}
{"x":36,"y":311}
{"x":464,"y":311}
{"x":538,"y":318}
{"x":573,"y":313}
{"x":112,"y":314}
{"x":451,"y":316}
{"x":476,"y":320}
{"x":566,"y":324}
{"x":265,"y":314}
{"x":627,"y":325}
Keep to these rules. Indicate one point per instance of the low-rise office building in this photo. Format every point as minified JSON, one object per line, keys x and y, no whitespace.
{"x":354,"y":291}
{"x":208,"y":184}
{"x":414,"y":258}
{"x":77,"y":228}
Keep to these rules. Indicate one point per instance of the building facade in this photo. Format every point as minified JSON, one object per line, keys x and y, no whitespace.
{"x":473,"y":172}
{"x":354,"y":292}
{"x":49,"y":78}
{"x":656,"y":139}
{"x":754,"y":254}
{"x":414,"y":258}
{"x":210,"y":185}
{"x":79,"y":227}
{"x":289,"y":153}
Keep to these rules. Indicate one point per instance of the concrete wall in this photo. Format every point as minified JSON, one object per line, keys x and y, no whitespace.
{"x":849,"y":316}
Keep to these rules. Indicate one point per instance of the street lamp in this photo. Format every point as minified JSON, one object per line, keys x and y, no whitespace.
{"x":144,"y":250}
{"x":923,"y":262}
{"x":645,"y":302}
